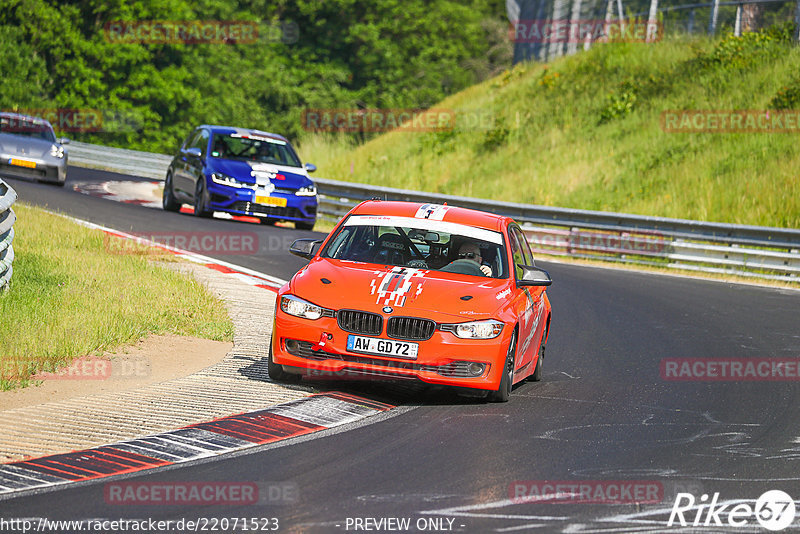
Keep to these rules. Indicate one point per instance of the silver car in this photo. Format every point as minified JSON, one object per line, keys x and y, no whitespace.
{"x":29,"y":149}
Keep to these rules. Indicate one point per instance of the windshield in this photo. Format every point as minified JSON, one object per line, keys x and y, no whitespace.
{"x":421,"y":244}
{"x":27,"y":128}
{"x":254,"y":148}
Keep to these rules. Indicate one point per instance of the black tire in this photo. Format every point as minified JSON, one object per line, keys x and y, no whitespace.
{"x":276,"y":371}
{"x":304,"y":225}
{"x":537,"y":373}
{"x":504,"y":390}
{"x":168,"y":201}
{"x":266,"y":221}
{"x":200,"y":200}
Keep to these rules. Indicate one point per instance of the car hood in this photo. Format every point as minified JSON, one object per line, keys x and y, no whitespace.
{"x":293,"y":177}
{"x":443,"y":297}
{"x":22,"y":146}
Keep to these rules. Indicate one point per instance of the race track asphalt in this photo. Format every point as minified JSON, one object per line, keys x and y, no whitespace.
{"x":602,"y":413}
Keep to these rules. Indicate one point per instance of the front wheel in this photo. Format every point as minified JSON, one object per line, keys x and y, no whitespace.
{"x":200,"y":201}
{"x":504,"y":390}
{"x":304,"y":225}
{"x":168,"y":201}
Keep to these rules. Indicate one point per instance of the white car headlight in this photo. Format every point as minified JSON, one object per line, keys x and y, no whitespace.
{"x":301,"y":308}
{"x":57,"y":151}
{"x":307,"y":191}
{"x":224,"y":179}
{"x":475,"y":329}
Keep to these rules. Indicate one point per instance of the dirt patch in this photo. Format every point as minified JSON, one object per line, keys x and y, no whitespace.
{"x":152,"y":360}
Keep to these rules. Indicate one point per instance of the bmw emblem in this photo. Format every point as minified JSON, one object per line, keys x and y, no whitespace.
{"x":387,"y":309}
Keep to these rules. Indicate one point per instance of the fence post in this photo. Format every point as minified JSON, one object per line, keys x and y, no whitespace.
{"x":712,"y":22}
{"x":575,"y":22}
{"x":797,"y":22}
{"x":652,"y":20}
{"x":690,"y":26}
{"x":737,"y":27}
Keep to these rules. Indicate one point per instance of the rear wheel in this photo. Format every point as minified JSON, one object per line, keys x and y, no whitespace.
{"x":276,"y":371}
{"x":504,"y":390}
{"x":200,"y":200}
{"x":537,"y":373}
{"x":168,"y":201}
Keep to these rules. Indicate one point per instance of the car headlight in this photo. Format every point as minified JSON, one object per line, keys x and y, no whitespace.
{"x":475,"y":329}
{"x":57,"y":151}
{"x":307,"y":191}
{"x":302,"y":308}
{"x":224,"y":179}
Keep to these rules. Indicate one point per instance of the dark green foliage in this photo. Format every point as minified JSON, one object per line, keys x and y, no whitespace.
{"x":343,"y":54}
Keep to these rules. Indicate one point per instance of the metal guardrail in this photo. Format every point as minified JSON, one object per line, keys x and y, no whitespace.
{"x":762,"y":252}
{"x":7,"y":218}
{"x":121,"y":160}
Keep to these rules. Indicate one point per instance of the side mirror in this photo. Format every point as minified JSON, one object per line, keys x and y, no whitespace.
{"x":310,"y":167}
{"x":63,"y":141}
{"x":304,"y":247}
{"x":534,"y":276}
{"x":194,"y":152}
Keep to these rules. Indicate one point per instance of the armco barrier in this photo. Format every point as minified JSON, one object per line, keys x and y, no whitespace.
{"x":7,"y":218}
{"x":757,"y":251}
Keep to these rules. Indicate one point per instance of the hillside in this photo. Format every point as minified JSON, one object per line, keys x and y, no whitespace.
{"x":585,"y":132}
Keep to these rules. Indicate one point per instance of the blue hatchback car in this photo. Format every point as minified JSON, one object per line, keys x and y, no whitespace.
{"x":241,"y":172}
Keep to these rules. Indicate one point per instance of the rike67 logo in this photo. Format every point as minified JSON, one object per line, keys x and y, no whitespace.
{"x":774,"y":510}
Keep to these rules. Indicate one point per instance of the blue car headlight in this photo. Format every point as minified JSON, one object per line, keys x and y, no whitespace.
{"x":307,"y":191}
{"x":230,"y":181}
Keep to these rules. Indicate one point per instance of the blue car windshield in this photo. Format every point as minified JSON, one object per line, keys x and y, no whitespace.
{"x":254,"y":148}
{"x":27,"y":128}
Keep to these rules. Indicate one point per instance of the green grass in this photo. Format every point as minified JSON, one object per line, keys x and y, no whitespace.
{"x":71,"y":295}
{"x":585,"y":132}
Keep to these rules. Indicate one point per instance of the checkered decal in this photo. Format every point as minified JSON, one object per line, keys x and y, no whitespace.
{"x":394,"y":286}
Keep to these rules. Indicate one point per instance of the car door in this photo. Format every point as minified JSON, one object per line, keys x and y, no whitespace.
{"x":181,"y":181}
{"x":195,"y":169}
{"x":528,"y":304}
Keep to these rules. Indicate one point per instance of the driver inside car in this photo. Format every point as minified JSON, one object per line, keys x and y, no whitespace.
{"x":471,"y":251}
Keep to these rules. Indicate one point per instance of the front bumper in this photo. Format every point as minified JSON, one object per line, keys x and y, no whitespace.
{"x":45,"y":170}
{"x":443,"y":359}
{"x":241,"y":201}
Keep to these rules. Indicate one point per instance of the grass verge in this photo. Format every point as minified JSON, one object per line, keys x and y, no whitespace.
{"x":74,"y":294}
{"x":585,"y":132}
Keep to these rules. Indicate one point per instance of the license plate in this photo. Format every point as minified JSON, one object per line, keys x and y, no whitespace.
{"x":271,"y":201}
{"x":382,"y":347}
{"x":22,"y":163}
